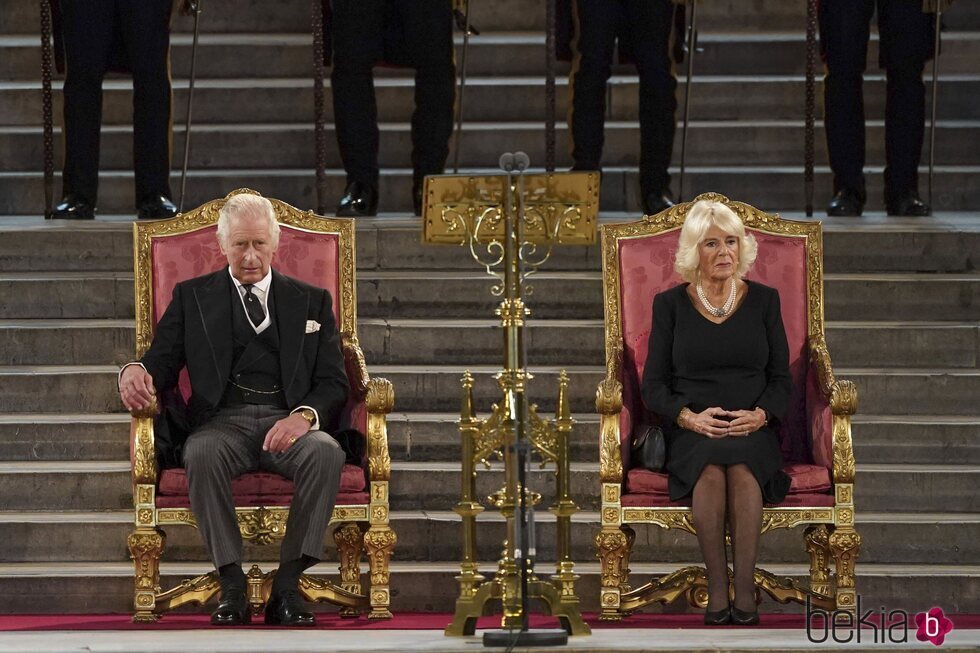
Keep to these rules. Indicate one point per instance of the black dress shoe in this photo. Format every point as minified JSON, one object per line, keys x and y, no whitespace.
{"x":72,"y":208}
{"x":359,"y":200}
{"x":286,"y":608}
{"x":654,"y":203}
{"x":718,"y":617}
{"x":846,"y":203}
{"x":157,"y":207}
{"x":232,"y":609}
{"x":906,"y":204}
{"x":742,"y":618}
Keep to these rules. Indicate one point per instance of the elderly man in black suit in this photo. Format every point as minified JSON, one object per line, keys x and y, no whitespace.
{"x":268,"y":378}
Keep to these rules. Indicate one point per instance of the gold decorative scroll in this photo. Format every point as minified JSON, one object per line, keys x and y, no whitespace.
{"x":559,"y":209}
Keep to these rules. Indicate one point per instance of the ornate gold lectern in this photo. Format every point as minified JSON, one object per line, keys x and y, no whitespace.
{"x":511,"y":222}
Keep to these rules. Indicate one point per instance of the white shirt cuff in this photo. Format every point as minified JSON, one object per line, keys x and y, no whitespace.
{"x":123,"y":368}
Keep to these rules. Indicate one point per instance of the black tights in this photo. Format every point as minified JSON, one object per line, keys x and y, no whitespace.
{"x":733,"y":491}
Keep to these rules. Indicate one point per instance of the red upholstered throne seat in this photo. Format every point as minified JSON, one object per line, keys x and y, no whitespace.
{"x":638,"y":263}
{"x":318,"y":251}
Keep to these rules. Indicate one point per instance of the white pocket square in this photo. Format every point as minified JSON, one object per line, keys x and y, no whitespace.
{"x":312,"y":326}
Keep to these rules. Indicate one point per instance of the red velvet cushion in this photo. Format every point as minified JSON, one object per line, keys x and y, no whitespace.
{"x":646,"y":267}
{"x":643,"y":481}
{"x":813,"y":500}
{"x":803,"y":479}
{"x":173,"y":482}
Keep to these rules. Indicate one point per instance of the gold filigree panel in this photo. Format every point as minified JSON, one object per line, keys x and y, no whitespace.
{"x":558,"y":208}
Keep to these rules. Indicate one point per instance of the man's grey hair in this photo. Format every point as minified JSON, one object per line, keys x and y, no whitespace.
{"x":246,"y":204}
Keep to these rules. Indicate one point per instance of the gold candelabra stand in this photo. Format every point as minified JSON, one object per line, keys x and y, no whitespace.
{"x":511,"y":223}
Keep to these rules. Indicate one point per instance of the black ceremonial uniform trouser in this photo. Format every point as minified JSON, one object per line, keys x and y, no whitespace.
{"x":906,"y":43}
{"x":648,"y":29}
{"x":357,"y":31}
{"x":90,"y":30}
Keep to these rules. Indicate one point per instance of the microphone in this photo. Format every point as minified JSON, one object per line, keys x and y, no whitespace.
{"x":521,"y":161}
{"x":507,"y":161}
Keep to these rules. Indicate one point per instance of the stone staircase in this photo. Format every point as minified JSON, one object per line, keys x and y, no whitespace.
{"x":902,"y":305}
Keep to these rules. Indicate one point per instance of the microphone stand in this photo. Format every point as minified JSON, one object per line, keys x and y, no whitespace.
{"x":519,"y":418}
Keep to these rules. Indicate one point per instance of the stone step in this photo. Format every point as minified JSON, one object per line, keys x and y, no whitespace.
{"x":945,"y":242}
{"x":416,"y":294}
{"x":435,"y":388}
{"x":67,"y":587}
{"x":928,"y":439}
{"x":774,"y":187}
{"x":254,"y":15}
{"x":488,"y":99}
{"x":478,"y":342}
{"x":491,"y":53}
{"x":64,"y":436}
{"x":763,"y":142}
{"x":106,"y":485}
{"x":435,"y":536}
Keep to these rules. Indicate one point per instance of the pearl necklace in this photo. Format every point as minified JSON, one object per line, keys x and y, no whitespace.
{"x":724,"y":310}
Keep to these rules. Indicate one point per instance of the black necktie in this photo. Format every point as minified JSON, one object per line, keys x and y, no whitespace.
{"x":253,"y":307}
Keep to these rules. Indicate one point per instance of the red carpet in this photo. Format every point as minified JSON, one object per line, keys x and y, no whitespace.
{"x":408,"y":621}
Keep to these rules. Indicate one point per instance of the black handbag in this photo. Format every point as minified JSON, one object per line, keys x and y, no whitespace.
{"x":649,"y":449}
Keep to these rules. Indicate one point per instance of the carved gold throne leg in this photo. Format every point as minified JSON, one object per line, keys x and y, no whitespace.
{"x":145,"y":548}
{"x":380,"y":542}
{"x":349,"y":538}
{"x":845,"y":545}
{"x":612,"y":549}
{"x":818,"y":547}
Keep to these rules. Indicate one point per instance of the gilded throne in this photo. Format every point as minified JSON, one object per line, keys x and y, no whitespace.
{"x":319,"y":251}
{"x":637,"y":261}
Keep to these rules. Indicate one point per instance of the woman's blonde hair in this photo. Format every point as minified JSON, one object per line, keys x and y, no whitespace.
{"x":701,"y":217}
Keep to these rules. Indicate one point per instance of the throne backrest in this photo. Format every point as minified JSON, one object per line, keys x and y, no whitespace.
{"x":638,"y":263}
{"x":317,"y":250}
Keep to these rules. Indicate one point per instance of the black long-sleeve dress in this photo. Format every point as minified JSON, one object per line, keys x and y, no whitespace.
{"x":740,"y":364}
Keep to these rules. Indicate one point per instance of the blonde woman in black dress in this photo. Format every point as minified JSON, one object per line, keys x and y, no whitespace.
{"x":717,"y":372}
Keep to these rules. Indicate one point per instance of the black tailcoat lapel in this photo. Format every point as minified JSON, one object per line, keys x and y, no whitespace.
{"x":214,"y":306}
{"x":292,"y":307}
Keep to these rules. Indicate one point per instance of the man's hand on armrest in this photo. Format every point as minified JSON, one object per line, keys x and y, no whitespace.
{"x":136,"y":387}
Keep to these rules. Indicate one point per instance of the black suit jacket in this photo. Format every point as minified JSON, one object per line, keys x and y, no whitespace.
{"x":196,"y":332}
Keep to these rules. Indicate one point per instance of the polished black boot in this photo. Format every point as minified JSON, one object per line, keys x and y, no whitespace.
{"x":907,"y":204}
{"x":286,"y":608}
{"x":233,"y":607}
{"x":156,"y":207}
{"x":654,"y":203}
{"x":73,"y":208}
{"x":359,"y":200}
{"x":846,"y":203}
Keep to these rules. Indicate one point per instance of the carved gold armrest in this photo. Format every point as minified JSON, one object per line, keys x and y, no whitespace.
{"x":609,"y":405}
{"x":380,"y":400}
{"x":841,"y":394}
{"x":144,"y":453}
{"x":357,"y":373}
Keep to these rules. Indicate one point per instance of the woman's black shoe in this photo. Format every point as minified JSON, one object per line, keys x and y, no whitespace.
{"x":742,"y":618}
{"x":718,"y":617}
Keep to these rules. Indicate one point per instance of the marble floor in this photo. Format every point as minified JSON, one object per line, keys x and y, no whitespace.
{"x":613,"y":640}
